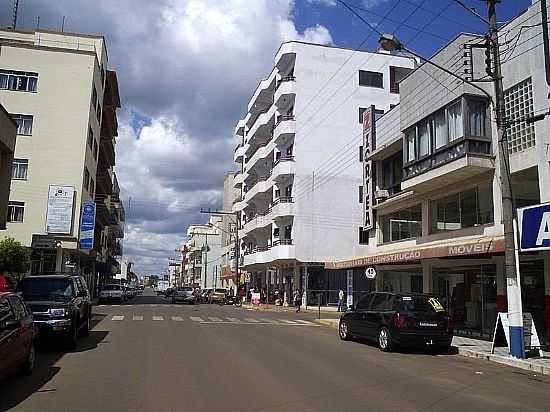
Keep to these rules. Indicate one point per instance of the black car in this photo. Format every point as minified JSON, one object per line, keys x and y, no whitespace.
{"x":61,"y":306}
{"x":394,"y":319}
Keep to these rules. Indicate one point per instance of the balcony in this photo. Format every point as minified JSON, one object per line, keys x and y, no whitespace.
{"x":238,"y":157}
{"x":263,"y":96}
{"x":262,"y":185}
{"x":284,"y":166}
{"x":238,"y":205}
{"x":281,"y":207}
{"x":284,"y":129}
{"x":257,"y":222}
{"x":262,"y":127}
{"x":286,"y":57}
{"x":238,"y":180}
{"x":280,"y":251}
{"x":261,"y":153}
{"x":285,"y":94}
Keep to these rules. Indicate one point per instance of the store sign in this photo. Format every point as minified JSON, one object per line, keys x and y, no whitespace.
{"x":368,"y":181}
{"x":415,"y":254}
{"x":349,"y":289}
{"x":370,"y":272}
{"x":87,"y":225}
{"x":534,"y":227}
{"x":59,"y":216}
{"x":43,"y":242}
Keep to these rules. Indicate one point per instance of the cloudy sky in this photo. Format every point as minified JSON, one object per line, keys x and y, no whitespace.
{"x":186,"y":69}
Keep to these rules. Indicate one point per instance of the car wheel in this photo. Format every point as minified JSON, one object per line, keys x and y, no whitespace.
{"x":384,"y":340}
{"x":343,"y":330}
{"x":28,"y":366}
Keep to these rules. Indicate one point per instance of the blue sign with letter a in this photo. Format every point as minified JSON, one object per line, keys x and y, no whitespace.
{"x":87,"y":225}
{"x":534,"y":224}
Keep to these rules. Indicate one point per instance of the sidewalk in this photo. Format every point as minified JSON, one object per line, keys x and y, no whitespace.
{"x":481,"y":349}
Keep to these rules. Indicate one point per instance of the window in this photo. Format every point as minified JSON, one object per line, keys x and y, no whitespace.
{"x":86,"y":178}
{"x":94,"y":96}
{"x":288,"y":232}
{"x":377,"y":114}
{"x":289,"y":150}
{"x":392,"y":173}
{"x":410,"y":146}
{"x":363,"y":236}
{"x":454,"y":118}
{"x":380,"y":302}
{"x":276,"y":232}
{"x":360,"y":153}
{"x":288,"y":191}
{"x":417,"y":283}
{"x":402,"y":224}
{"x":361,"y":195}
{"x":518,"y":104}
{"x":19,"y":169}
{"x":90,"y":137}
{"x":24,"y":124}
{"x":477,"y":118}
{"x":20,"y":81}
{"x":364,"y":302}
{"x":439,"y":129}
{"x":18,"y":307}
{"x":371,"y":79}
{"x":424,"y":146}
{"x":95,"y":151}
{"x":16,"y":210}
{"x":469,"y":208}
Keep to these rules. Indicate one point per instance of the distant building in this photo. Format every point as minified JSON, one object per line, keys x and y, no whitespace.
{"x":228,"y":232}
{"x":205,"y":253}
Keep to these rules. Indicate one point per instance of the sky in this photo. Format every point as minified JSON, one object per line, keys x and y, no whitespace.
{"x":186,"y":70}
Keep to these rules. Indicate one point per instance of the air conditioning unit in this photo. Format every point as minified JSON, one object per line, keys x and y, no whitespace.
{"x":381,"y":195}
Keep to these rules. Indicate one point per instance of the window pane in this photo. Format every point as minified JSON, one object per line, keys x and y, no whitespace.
{"x":409,"y":137}
{"x":423,"y":139}
{"x":3,"y":81}
{"x":19,"y":168}
{"x":485,"y":204}
{"x":441,"y":137}
{"x":402,"y":224}
{"x":477,"y":118}
{"x":468,"y":208}
{"x":371,"y":79}
{"x":33,"y":81}
{"x":455,"y":121}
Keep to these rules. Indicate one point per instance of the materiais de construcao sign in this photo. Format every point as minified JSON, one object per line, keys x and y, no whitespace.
{"x":59,"y":216}
{"x":368,"y":183}
{"x":411,"y":255}
{"x":534,"y":227}
{"x":87,"y":225}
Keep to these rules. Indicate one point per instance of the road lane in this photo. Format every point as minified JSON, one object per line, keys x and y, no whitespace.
{"x":249,"y":361}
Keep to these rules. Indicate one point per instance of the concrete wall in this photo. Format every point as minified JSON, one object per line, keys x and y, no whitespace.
{"x":8,"y":130}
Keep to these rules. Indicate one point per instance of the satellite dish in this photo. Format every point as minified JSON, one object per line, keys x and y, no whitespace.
{"x":370,"y":272}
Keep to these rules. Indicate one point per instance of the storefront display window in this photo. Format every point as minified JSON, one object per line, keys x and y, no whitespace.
{"x":402,"y":224}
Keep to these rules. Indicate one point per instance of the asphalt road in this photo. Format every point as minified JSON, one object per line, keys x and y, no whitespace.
{"x":149,"y":355}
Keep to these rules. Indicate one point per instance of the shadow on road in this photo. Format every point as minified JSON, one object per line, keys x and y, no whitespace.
{"x":15,"y":389}
{"x":411,"y":351}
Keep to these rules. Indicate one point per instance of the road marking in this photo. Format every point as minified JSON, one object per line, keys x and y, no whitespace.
{"x":233,"y":319}
{"x":177,"y":318}
{"x":215,"y":319}
{"x":251,"y":320}
{"x":196,"y":319}
{"x":305,"y":322}
{"x":271,"y":321}
{"x":290,"y":322}
{"x":137,"y":317}
{"x":158,"y":318}
{"x":117,"y":317}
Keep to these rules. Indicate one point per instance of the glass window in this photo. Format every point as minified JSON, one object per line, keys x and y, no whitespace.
{"x":392,"y":173}
{"x":477,"y":118}
{"x":409,"y":140}
{"x":94,"y":97}
{"x":519,"y":104}
{"x":19,"y":169}
{"x":47,"y":289}
{"x":454,"y":117}
{"x":16,"y":210}
{"x":364,"y":302}
{"x":18,"y":307}
{"x":24,"y":124}
{"x":424,"y":145}
{"x":6,"y":312}
{"x":96,"y":150}
{"x":371,"y":79}
{"x":380,"y":301}
{"x":20,"y":81}
{"x":3,"y":81}
{"x":402,"y":224}
{"x":468,"y":208}
{"x":439,"y":129}
{"x":363,"y":236}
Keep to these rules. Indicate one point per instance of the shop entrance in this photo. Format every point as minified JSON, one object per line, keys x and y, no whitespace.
{"x":469,"y":295}
{"x":532,"y":292}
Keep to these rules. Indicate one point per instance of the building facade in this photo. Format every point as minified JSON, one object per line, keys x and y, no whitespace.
{"x":57,"y":88}
{"x":204,"y":254}
{"x":228,"y":227}
{"x":300,"y":170}
{"x":8,"y":134}
{"x":436,"y":190}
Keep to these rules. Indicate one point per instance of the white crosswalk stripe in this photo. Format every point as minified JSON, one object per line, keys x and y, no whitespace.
{"x":304,"y":322}
{"x":196,"y":319}
{"x":214,"y":319}
{"x":290,"y":322}
{"x":267,"y":320}
{"x":177,"y":318}
{"x":136,"y":317}
{"x":117,"y":317}
{"x":233,"y":320}
{"x":251,"y":320}
{"x":158,"y":318}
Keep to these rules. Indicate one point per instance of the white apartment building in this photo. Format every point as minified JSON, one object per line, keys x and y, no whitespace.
{"x":300,"y":170}
{"x":204,"y":254}
{"x":228,"y":229}
{"x":54,"y":85}
{"x":437,"y":192}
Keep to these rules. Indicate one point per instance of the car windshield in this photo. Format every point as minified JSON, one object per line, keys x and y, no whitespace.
{"x":111,"y":287}
{"x":47,"y":289}
{"x":421,"y":304}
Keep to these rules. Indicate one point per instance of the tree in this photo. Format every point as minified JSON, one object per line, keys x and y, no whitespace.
{"x":14,"y":257}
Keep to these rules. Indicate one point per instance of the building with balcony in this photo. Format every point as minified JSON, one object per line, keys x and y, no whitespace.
{"x":8,"y":134}
{"x":228,"y":229}
{"x":56,"y":87}
{"x":299,"y":170}
{"x":434,"y":198}
{"x":204,"y":254}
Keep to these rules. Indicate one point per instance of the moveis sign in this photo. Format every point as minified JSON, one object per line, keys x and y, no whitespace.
{"x":368,"y":183}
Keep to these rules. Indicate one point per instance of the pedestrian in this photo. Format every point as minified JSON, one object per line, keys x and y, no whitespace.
{"x":340,"y":300}
{"x":297,"y":300}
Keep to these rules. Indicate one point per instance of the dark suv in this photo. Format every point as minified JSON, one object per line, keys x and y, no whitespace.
{"x":395,"y":319}
{"x":61,"y":305}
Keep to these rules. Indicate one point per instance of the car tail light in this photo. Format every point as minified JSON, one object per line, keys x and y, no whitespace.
{"x":400,"y":320}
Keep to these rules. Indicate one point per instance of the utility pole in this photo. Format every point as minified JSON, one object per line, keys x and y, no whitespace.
{"x":515,"y":312}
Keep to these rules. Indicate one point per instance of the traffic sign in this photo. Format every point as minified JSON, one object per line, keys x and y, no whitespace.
{"x":370,"y":272}
{"x":534,"y":227}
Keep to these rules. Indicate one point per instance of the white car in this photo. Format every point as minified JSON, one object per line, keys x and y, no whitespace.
{"x":112,"y":292}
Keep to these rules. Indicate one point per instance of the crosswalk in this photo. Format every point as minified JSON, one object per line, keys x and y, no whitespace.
{"x":214,"y":320}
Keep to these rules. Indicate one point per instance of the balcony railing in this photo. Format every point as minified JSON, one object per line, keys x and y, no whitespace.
{"x":283,"y":118}
{"x":278,"y":242}
{"x":286,"y":158}
{"x":284,"y":199}
{"x":285,"y":79}
{"x":282,"y":242}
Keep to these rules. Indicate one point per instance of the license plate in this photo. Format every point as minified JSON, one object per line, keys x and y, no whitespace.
{"x":430,"y":324}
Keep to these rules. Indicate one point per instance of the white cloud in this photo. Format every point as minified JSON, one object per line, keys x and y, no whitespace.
{"x":370,"y":4}
{"x":323,"y":2}
{"x":190,"y":67}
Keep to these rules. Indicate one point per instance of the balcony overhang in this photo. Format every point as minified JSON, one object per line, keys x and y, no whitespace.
{"x":285,"y":94}
{"x":387,"y":150}
{"x":286,"y":56}
{"x":263,"y":96}
{"x":463,"y":168}
{"x":285,"y":129}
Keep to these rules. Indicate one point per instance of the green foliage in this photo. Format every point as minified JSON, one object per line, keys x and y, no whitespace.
{"x":14,"y":257}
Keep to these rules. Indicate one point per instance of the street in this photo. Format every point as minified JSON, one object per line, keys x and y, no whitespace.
{"x":150,"y":355}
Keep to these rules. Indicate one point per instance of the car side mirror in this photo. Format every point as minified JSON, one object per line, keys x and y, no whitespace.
{"x":10,"y":324}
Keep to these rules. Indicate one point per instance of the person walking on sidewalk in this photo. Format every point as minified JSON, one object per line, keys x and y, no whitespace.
{"x":297,"y":300}
{"x":340,"y":300}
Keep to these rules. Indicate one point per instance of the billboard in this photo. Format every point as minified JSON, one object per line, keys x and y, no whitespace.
{"x":59,"y":215}
{"x":368,"y":181}
{"x":87,"y":225}
{"x":534,"y":227}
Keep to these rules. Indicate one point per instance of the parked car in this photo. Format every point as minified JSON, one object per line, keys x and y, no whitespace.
{"x":112,"y":292}
{"x":17,"y":335}
{"x":394,"y":319}
{"x":184,"y":294}
{"x":217,"y":296}
{"x":61,"y":306}
{"x":168,"y":292}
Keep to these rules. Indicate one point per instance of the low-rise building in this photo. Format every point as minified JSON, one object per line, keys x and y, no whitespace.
{"x":205,"y":253}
